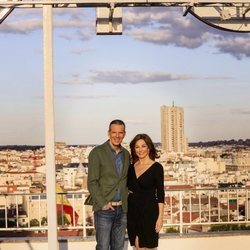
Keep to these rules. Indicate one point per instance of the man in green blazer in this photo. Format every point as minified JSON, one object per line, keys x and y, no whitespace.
{"x":107,"y":183}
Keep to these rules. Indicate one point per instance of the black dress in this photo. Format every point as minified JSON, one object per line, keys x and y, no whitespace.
{"x":145,"y":192}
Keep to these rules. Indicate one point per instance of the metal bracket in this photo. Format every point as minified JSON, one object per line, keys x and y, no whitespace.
{"x":188,"y":8}
{"x":109,"y":20}
{"x":111,"y":15}
{"x":4,"y":12}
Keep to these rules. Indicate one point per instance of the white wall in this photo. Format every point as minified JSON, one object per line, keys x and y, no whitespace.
{"x":217,"y":242}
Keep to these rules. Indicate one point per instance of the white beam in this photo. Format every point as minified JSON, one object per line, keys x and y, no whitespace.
{"x":4,"y":12}
{"x":49,"y":127}
{"x":118,"y":3}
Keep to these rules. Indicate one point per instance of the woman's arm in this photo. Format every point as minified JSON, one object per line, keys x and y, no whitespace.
{"x":159,"y":222}
{"x":160,"y":197}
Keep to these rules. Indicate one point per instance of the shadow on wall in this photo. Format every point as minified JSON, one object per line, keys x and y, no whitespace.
{"x":29,"y":245}
{"x":63,"y":245}
{"x":67,"y":245}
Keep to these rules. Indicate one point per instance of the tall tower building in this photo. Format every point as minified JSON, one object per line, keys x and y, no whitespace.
{"x":172,"y":129}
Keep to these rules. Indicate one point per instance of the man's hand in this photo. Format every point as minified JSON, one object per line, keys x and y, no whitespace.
{"x":107,"y":207}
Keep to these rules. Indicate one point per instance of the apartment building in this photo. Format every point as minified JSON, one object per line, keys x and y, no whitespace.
{"x":172,"y":129}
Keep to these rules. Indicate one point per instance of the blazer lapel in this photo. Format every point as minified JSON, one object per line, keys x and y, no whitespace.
{"x":111,"y":157}
{"x":124,"y":163}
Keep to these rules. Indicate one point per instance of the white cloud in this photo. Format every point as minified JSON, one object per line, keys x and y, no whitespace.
{"x":242,"y":111}
{"x":126,"y":77}
{"x":168,"y":27}
{"x":238,"y":47}
{"x":81,"y":51}
{"x":21,"y":26}
{"x":155,"y":25}
{"x":134,"y":77}
{"x":80,"y":97}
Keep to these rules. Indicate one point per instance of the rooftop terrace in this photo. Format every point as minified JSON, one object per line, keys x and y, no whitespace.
{"x":193,"y":215}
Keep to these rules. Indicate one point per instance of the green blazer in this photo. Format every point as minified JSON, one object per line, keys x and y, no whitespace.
{"x":103,"y":179}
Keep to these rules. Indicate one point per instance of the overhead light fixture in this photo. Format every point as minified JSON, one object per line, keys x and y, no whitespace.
{"x":109,"y":20}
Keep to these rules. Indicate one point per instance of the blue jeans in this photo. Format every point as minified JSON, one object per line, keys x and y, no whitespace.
{"x":110,"y":228}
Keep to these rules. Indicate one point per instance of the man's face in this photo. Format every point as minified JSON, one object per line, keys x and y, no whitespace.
{"x":116,"y":134}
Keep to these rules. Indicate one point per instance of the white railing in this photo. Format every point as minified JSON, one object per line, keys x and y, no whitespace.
{"x":206,"y":208}
{"x":185,"y":211}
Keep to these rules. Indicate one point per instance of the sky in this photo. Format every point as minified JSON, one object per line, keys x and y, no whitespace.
{"x":161,"y":58}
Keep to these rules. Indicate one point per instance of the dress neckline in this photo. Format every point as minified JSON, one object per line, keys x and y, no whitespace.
{"x":137,"y":177}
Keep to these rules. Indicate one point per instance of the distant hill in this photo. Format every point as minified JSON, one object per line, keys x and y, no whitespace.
{"x":232,"y":142}
{"x":20,"y":147}
{"x":30,"y":147}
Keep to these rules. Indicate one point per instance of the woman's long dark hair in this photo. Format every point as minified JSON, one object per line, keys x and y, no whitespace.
{"x":153,"y":154}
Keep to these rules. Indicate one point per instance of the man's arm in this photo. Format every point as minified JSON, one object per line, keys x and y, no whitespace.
{"x":93,"y":179}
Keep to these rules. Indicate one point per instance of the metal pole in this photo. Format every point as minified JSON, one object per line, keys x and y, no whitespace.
{"x":49,"y":127}
{"x":181,"y":211}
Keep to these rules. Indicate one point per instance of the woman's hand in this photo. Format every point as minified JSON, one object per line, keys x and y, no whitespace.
{"x":158,"y":224}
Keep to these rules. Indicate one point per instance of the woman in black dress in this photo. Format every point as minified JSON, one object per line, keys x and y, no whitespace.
{"x":146,"y":194}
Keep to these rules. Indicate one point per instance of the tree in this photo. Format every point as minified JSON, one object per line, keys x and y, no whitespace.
{"x":44,"y":221}
{"x":34,"y":223}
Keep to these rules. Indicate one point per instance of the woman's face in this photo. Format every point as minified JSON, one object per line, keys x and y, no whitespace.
{"x":141,"y":149}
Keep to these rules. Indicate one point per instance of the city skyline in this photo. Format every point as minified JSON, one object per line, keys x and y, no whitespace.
{"x":160,"y":58}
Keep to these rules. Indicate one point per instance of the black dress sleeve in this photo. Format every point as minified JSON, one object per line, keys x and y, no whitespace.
{"x":159,"y":176}
{"x":129,"y":177}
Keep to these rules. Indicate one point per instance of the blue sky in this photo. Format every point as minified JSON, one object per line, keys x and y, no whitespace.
{"x":160,"y":58}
